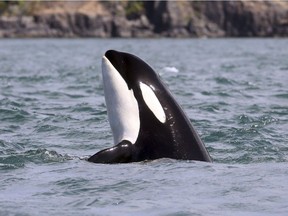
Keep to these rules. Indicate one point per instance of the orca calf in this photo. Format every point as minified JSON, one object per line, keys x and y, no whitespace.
{"x":146,"y":121}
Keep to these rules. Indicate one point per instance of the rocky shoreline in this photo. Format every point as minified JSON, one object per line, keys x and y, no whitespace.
{"x":142,"y":19}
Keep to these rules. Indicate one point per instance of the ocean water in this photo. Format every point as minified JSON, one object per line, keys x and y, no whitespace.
{"x":53,"y":116}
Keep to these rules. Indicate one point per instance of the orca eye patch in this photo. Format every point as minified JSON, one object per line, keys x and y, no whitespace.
{"x":152,"y":102}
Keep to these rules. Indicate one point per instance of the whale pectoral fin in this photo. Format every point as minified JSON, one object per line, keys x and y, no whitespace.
{"x":121,"y":153}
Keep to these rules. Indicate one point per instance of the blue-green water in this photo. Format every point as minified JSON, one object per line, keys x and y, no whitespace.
{"x":52,"y":115}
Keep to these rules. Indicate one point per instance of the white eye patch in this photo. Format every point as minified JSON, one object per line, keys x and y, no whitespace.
{"x":152,"y":102}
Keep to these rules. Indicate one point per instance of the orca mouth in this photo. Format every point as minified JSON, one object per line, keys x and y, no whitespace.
{"x":117,"y":59}
{"x":122,"y":106}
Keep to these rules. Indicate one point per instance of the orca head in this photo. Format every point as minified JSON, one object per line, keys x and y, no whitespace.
{"x":129,"y":83}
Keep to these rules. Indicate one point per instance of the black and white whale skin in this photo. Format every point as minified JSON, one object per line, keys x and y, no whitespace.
{"x":146,"y":121}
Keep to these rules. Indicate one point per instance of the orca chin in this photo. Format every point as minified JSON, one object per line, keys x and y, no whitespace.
{"x":146,"y":121}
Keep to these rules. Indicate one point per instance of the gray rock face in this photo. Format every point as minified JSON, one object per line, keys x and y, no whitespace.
{"x":153,"y":19}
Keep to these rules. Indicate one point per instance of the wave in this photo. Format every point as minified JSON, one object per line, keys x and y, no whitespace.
{"x":38,"y":156}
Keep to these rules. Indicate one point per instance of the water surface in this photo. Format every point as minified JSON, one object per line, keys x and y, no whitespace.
{"x":52,"y":115}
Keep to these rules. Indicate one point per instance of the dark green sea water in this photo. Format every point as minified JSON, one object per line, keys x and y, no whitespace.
{"x":53,"y":115}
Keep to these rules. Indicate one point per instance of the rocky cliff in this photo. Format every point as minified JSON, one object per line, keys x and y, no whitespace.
{"x":144,"y":19}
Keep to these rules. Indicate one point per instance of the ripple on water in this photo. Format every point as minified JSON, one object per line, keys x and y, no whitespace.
{"x":38,"y":156}
{"x":224,"y":81}
{"x":282,"y":96}
{"x":256,"y":122}
{"x":8,"y":147}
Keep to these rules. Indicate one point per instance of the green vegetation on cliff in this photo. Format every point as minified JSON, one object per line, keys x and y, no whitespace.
{"x":134,"y":9}
{"x":19,"y":8}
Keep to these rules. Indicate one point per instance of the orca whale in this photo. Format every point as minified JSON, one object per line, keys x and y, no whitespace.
{"x":146,"y":121}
